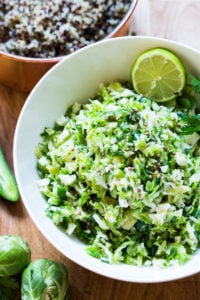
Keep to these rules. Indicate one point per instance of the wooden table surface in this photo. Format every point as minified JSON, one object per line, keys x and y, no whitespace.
{"x":174,"y":19}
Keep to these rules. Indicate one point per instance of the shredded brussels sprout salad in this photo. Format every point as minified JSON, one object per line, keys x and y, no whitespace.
{"x":120,"y":174}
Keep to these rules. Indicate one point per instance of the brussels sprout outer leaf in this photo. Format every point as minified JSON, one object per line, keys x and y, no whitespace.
{"x":44,"y":279}
{"x":8,"y":287}
{"x":15,"y":255}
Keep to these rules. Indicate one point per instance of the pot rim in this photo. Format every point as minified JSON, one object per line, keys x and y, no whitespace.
{"x":56,"y":59}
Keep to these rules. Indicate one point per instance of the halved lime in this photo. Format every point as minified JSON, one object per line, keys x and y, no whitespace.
{"x":158,"y":74}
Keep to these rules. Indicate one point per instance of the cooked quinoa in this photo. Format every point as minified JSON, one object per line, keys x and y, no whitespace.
{"x":51,"y":28}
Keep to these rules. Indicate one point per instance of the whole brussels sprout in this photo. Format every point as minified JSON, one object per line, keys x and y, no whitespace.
{"x":44,"y":279}
{"x":15,"y":255}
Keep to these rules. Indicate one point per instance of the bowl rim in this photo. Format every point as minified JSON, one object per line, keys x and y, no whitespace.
{"x":56,"y":59}
{"x":168,"y":274}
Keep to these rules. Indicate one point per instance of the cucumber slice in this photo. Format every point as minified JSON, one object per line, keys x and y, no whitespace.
{"x":8,"y":185}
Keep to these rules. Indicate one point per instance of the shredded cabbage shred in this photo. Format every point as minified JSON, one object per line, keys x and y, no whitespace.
{"x":118,"y":175}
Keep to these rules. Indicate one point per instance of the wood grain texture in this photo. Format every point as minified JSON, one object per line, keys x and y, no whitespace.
{"x":178,"y":20}
{"x":175,"y":19}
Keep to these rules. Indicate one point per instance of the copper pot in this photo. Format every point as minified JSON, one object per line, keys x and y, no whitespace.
{"x":22,"y":73}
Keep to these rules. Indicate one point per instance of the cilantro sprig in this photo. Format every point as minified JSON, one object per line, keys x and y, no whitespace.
{"x":191,"y":122}
{"x":194,"y":82}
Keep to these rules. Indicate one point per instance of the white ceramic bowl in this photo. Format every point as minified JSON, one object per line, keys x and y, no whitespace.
{"x":77,"y":77}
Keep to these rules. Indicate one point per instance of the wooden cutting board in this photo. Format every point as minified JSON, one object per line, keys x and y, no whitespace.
{"x":175,"y":19}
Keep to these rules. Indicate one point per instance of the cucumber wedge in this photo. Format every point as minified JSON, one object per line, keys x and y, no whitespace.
{"x":8,"y":185}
